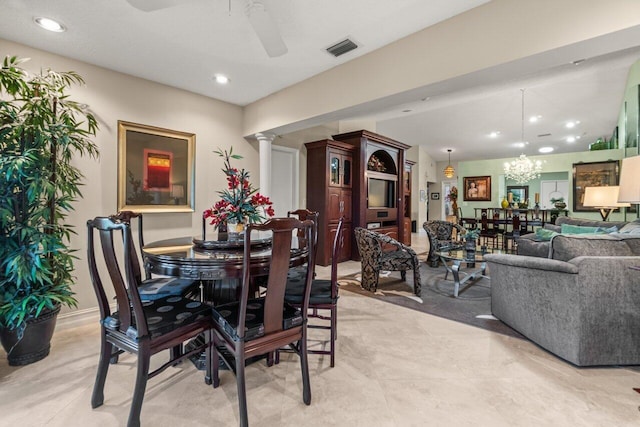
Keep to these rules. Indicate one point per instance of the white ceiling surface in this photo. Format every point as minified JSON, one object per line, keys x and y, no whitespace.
{"x":184,"y":46}
{"x":591,"y":92}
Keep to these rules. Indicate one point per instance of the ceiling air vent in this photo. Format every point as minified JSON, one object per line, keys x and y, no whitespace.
{"x":542,"y":135}
{"x":342,"y":47}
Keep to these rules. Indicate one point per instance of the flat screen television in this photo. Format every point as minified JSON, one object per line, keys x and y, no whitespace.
{"x":382,"y":193}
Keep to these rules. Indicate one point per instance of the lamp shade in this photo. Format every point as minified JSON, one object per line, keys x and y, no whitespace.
{"x":602,"y":197}
{"x":630,"y":180}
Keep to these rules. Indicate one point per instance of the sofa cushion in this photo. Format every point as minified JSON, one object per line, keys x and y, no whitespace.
{"x":632,"y":240}
{"x":588,"y":222}
{"x":552,"y":227}
{"x":565,"y":247}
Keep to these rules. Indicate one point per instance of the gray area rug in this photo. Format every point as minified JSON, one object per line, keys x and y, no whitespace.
{"x":472,"y":307}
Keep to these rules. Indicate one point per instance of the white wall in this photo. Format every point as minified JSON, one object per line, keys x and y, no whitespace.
{"x":114,"y":96}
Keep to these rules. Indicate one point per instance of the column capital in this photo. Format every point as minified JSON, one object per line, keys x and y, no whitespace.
{"x":265,"y":136}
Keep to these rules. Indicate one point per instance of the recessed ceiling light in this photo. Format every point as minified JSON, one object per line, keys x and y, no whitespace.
{"x":534,"y":119}
{"x":545,"y":149}
{"x":519,"y":144}
{"x":571,"y":139}
{"x":49,"y":24}
{"x":494,"y":134}
{"x":222,"y":79}
{"x":571,"y":125}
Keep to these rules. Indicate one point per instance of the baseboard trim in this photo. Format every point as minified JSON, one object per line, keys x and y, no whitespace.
{"x":82,"y":317}
{"x":76,"y":318}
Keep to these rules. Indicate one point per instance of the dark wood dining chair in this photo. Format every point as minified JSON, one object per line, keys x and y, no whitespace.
{"x":152,"y":288}
{"x":260,"y":326}
{"x":489,"y":229}
{"x":323,"y":296}
{"x":143,"y":328}
{"x":303,"y":215}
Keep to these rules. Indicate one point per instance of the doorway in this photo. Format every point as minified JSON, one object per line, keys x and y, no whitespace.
{"x":284,"y":179}
{"x":447,"y":209}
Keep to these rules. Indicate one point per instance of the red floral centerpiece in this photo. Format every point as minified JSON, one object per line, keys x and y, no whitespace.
{"x":240,"y":202}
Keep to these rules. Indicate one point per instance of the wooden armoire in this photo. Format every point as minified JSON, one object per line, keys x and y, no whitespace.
{"x":329,"y":192}
{"x":362,"y":176}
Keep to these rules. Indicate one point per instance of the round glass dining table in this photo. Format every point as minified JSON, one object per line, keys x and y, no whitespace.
{"x":219,"y":257}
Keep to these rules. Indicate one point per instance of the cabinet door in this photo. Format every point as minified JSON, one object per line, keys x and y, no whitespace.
{"x":340,"y":169}
{"x":406,"y":233}
{"x":339,"y":205}
{"x":334,"y":208}
{"x":406,"y":179}
{"x":347,"y":170}
{"x":346,"y":205}
{"x":344,"y":245}
{"x":335,"y":168}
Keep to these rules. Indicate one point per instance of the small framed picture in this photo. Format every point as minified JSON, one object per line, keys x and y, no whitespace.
{"x":435,"y":196}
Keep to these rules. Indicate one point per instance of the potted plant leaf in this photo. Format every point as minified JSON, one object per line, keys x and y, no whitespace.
{"x":41,"y":131}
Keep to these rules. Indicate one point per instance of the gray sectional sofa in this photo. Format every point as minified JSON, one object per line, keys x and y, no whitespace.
{"x":580,"y":302}
{"x":529,"y":245}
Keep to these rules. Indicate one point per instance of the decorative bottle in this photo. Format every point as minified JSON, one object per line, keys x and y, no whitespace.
{"x":505,"y":203}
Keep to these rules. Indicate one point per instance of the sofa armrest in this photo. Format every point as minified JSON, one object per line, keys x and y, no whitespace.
{"x":531,"y":262}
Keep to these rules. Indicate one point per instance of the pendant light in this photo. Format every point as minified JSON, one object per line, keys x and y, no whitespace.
{"x":449,"y":171}
{"x":522,"y":169}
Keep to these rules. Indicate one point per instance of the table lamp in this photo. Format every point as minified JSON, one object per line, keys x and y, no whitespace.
{"x":603,"y":198}
{"x":630,"y":180}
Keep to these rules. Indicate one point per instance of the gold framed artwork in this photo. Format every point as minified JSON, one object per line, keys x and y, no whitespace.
{"x":155,"y":169}
{"x":477,"y":188}
{"x":595,"y":174}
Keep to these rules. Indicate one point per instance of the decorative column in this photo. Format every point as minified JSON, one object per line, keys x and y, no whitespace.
{"x":265,"y":140}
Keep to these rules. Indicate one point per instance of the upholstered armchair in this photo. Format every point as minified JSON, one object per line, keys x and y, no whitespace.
{"x":440,"y":236}
{"x":373,"y":259}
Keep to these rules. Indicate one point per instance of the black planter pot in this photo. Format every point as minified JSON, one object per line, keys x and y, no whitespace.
{"x":35,"y":342}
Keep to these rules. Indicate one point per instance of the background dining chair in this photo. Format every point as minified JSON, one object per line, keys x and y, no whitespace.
{"x":373,"y":259}
{"x":489,"y":228}
{"x":157,"y":287}
{"x":303,"y":215}
{"x":259,"y":326}
{"x":140,"y":327}
{"x":323,"y":296}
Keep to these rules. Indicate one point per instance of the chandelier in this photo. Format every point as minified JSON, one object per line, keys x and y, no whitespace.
{"x":522,"y":169}
{"x":449,"y":172}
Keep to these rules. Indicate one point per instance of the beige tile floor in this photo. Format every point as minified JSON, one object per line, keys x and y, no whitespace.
{"x":395,"y":367}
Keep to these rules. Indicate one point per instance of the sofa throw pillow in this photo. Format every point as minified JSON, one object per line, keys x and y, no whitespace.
{"x":544,"y":235}
{"x":631,"y":228}
{"x":565,"y":247}
{"x":578,"y":229}
{"x":612,"y":229}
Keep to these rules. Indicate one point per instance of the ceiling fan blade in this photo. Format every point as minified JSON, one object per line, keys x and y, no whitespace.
{"x":266,"y":29}
{"x":153,"y":5}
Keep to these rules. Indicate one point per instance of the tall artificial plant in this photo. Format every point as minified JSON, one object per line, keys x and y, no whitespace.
{"x":41,"y":131}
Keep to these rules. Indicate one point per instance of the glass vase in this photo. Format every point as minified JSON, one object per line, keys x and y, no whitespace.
{"x":234,"y":228}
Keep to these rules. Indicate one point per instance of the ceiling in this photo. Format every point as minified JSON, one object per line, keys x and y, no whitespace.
{"x":186,"y":45}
